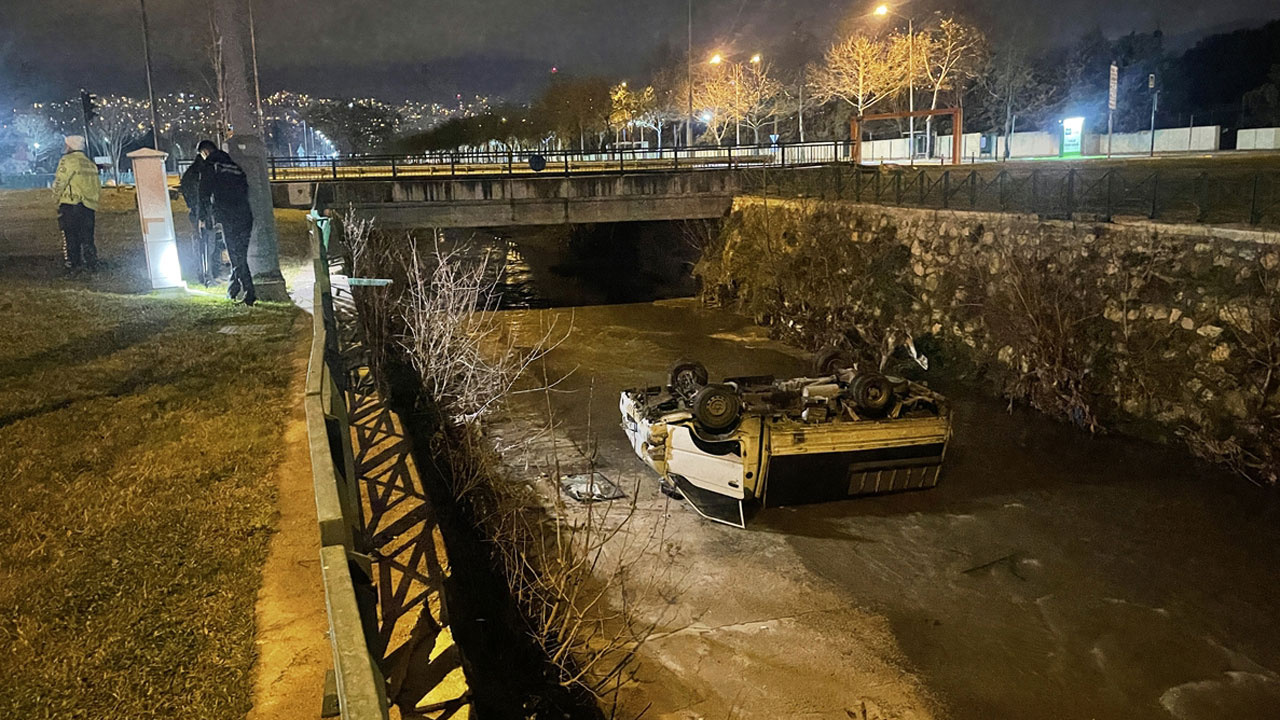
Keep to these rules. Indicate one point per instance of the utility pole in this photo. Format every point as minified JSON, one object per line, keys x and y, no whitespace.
{"x":151,"y":94}
{"x":800,"y":109}
{"x":246,"y":147}
{"x":688,"y":123}
{"x":257,"y":87}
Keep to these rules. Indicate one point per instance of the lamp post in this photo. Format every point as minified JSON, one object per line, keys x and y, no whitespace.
{"x":884,"y":11}
{"x":688,"y":125}
{"x":151,"y":95}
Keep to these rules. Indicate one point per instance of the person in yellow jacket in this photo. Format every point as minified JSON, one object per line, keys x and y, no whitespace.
{"x":77,"y":189}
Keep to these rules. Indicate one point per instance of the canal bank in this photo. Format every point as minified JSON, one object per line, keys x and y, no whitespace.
{"x":1050,"y":575}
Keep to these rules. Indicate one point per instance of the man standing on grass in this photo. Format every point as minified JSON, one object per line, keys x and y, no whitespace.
{"x":77,"y":189}
{"x":224,"y":192}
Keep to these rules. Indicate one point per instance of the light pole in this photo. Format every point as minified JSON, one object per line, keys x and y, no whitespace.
{"x":883,"y":11}
{"x":688,"y":124}
{"x":151,"y":95}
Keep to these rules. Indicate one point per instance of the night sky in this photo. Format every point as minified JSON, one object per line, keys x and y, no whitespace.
{"x":431,"y":49}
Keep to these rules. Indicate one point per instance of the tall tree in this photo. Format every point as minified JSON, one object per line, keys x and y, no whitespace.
{"x":862,"y":71}
{"x":950,"y":58}
{"x":247,"y":147}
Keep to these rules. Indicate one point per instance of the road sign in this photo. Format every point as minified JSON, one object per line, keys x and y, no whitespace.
{"x":1115,"y":87}
{"x":1151,"y":81}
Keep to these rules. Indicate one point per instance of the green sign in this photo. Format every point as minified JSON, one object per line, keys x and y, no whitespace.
{"x":1072,"y":135}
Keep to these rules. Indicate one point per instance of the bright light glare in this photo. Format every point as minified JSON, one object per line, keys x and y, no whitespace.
{"x":755,"y":58}
{"x":706,"y":116}
{"x":716,"y":59}
{"x":882,"y":10}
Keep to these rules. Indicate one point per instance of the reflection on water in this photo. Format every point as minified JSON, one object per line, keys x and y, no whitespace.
{"x":569,"y":266}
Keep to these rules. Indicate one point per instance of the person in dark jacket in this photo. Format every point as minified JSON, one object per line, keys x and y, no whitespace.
{"x":205,"y":240}
{"x":224,"y":191}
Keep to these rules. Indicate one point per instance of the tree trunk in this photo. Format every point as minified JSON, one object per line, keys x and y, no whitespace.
{"x":247,"y":148}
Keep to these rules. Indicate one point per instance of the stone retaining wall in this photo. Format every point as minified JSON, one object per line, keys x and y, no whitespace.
{"x":1168,"y":331}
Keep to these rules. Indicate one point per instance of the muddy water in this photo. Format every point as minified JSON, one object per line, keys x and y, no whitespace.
{"x":1051,"y":575}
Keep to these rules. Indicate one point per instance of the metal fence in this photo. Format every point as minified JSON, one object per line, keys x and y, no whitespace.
{"x":350,"y":598}
{"x":1171,"y":195}
{"x":553,"y":162}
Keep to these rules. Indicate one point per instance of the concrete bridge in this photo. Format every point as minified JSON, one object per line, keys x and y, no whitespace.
{"x":462,"y":202}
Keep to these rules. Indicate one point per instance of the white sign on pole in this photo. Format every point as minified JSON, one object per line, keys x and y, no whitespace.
{"x":1115,"y":86}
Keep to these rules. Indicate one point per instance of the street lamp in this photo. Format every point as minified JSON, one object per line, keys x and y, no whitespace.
{"x":884,"y":11}
{"x":716,"y":59}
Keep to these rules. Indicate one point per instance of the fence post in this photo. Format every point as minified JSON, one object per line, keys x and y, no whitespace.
{"x":1155,"y":194}
{"x":1071,"y":192}
{"x":453,"y":164}
{"x":1111,"y":177}
{"x":1203,"y":182}
{"x":393,"y":166}
{"x":783,"y":150}
{"x":566,"y":163}
{"x":272,"y":160}
{"x":1255,"y":214}
{"x":510,"y":161}
{"x":333,"y":164}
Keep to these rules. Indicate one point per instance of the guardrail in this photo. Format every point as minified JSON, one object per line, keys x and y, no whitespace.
{"x":1172,"y":195}
{"x":359,"y":687}
{"x":556,"y":162}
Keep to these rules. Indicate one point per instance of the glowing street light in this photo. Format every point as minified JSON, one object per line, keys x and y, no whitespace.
{"x":882,"y":10}
{"x":716,"y":59}
{"x":755,"y":58}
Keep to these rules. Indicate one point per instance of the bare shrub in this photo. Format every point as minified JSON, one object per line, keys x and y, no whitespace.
{"x":571,"y":571}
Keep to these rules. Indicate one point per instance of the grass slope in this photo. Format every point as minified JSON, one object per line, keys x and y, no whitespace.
{"x":137,"y":501}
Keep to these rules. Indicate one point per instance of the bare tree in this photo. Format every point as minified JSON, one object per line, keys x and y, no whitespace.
{"x":861,"y":71}
{"x":37,"y":135}
{"x":949,"y":58}
{"x":1012,"y":84}
{"x":761,"y":98}
{"x":117,"y":126}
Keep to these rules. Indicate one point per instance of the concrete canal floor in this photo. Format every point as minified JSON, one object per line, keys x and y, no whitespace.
{"x":1051,"y":575}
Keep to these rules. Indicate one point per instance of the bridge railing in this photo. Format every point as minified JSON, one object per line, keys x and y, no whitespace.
{"x":1219,"y":197}
{"x":550,"y":162}
{"x":350,"y":599}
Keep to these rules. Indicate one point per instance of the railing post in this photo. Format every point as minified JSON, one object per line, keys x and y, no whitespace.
{"x":1111,"y":178}
{"x":453,"y":164}
{"x":272,"y":161}
{"x":782,"y":149}
{"x":333,"y":164}
{"x":1071,"y":192}
{"x":1255,"y":213}
{"x":1155,"y":194}
{"x":946,"y":189}
{"x":510,"y":161}
{"x":1203,"y":182}
{"x":393,"y":166}
{"x":973,"y":189}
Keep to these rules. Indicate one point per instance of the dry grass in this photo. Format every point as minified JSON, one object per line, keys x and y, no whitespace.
{"x":137,"y":502}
